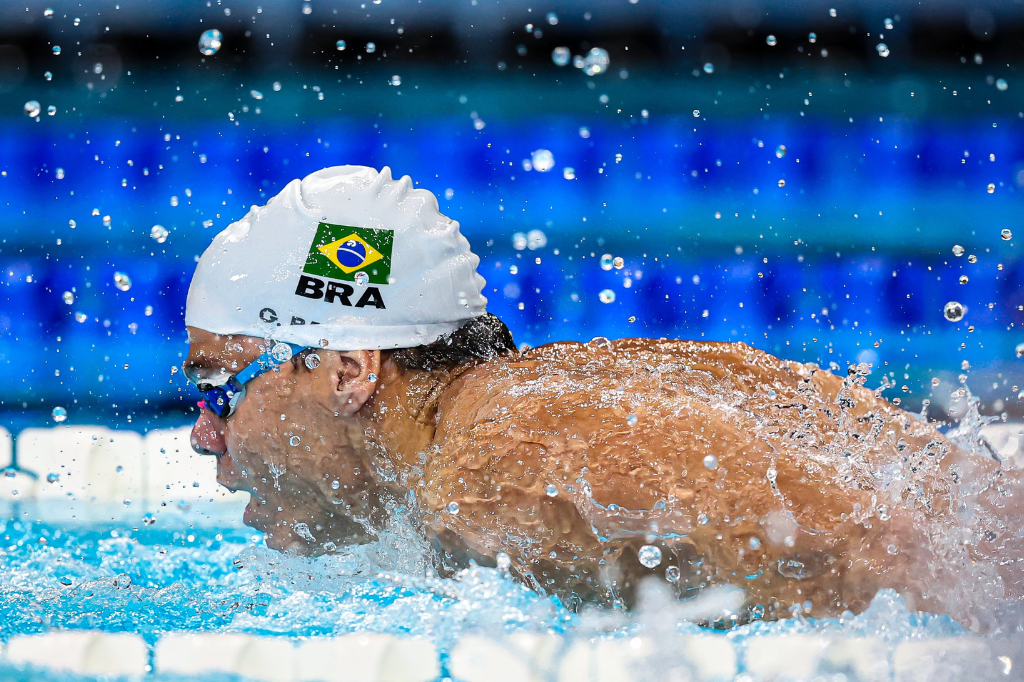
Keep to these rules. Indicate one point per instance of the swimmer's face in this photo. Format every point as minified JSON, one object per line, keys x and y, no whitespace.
{"x":294,"y":441}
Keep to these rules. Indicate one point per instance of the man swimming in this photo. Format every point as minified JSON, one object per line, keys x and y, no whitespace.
{"x":348,"y":366}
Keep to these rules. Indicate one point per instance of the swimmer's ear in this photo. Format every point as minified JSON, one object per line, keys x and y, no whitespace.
{"x":354,"y":379}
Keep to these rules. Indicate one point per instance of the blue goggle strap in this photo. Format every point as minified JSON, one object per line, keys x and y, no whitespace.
{"x":263,"y":363}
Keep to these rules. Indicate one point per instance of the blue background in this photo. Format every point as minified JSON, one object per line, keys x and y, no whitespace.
{"x":851,"y":260}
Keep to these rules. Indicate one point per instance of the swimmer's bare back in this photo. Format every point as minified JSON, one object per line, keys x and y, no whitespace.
{"x":806,"y":490}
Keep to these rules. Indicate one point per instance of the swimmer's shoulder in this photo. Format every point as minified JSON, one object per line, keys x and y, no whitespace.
{"x":513,"y":381}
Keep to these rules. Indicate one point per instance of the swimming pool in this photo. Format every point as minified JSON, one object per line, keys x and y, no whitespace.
{"x":755,"y":180}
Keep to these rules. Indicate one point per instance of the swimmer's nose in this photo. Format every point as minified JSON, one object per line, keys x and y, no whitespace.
{"x":208,"y":434}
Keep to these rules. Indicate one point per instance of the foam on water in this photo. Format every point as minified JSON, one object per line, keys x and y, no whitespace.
{"x":150,"y":581}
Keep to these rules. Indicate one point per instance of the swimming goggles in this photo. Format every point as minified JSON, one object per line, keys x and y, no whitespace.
{"x":223,"y":399}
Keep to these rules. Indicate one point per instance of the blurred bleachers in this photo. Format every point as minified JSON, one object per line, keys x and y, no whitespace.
{"x":827,"y":292}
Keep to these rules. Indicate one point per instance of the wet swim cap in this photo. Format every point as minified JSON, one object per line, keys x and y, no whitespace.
{"x":345,"y":256}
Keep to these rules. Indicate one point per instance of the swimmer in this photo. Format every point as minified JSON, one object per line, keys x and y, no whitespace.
{"x":348,"y":367}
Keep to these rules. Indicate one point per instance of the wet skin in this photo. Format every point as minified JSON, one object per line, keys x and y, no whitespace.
{"x":571,"y":457}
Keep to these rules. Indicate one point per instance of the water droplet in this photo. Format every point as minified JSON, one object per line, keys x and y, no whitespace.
{"x":883,"y":49}
{"x":95,"y":211}
{"x":702,"y":519}
{"x":210,"y":41}
{"x":1001,"y":84}
{"x":1006,"y":234}
{"x":536,"y":239}
{"x":891,"y":549}
{"x":32,"y":108}
{"x":710,"y":462}
{"x":122,"y":581}
{"x":1020,"y":350}
{"x":561,"y":56}
{"x":963,"y":279}
{"x":569,"y":173}
{"x":696,"y":113}
{"x":754,"y":542}
{"x":396,"y":80}
{"x":453,"y":507}
{"x":81,"y":317}
{"x":649,"y":556}
{"x":672,"y":574}
{"x":792,"y":568}
{"x":606,"y":296}
{"x":596,"y":61}
{"x":68,"y":297}
{"x":812,"y":37}
{"x":552,"y":18}
{"x":361,"y":278}
{"x":330,"y":546}
{"x":991,"y":188}
{"x":619,"y":263}
{"x":631,"y":419}
{"x":504,"y":561}
{"x":312,"y":361}
{"x":888,"y":24}
{"x":958,"y":250}
{"x":302,"y":530}
{"x":771,"y":40}
{"x":340,"y":45}
{"x":551,"y":490}
{"x":48,"y":76}
{"x":324,"y":343}
{"x":954,"y":311}
{"x":607,"y":261}
{"x":59,"y":172}
{"x":371,"y":47}
{"x":48,"y":12}
{"x":56,"y":49}
{"x":59,"y":414}
{"x":542,"y":160}
{"x":159,"y":233}
{"x":335,"y":484}
{"x":709,"y":67}
{"x":294,"y":441}
{"x":519,"y":243}
{"x":256,"y":94}
{"x":122,"y":281}
{"x":832,"y":12}
{"x":371,"y":377}
{"x":281,"y":352}
{"x":106,"y":221}
{"x":782,"y":183}
{"x":52,"y":478}
{"x":51,"y":110}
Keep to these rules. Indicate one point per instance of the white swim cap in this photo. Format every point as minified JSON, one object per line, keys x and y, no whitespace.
{"x":346,"y":259}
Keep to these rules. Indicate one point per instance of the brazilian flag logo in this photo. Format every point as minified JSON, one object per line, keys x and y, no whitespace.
{"x":341,"y":251}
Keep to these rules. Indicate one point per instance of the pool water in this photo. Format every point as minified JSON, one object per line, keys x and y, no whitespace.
{"x":184,"y":573}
